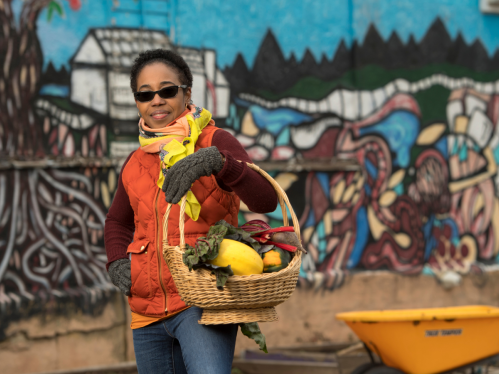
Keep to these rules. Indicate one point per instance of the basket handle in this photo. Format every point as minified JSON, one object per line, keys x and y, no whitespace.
{"x":181,"y":222}
{"x":281,"y":196}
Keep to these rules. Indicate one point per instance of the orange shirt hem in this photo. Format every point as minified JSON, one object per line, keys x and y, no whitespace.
{"x":138,"y":320}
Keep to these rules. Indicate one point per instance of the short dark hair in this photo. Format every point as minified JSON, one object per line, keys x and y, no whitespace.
{"x":167,"y":57}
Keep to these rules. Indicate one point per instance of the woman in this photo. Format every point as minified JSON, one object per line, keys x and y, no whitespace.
{"x":181,"y":152}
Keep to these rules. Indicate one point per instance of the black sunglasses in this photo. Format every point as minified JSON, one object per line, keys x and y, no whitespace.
{"x":164,"y":93}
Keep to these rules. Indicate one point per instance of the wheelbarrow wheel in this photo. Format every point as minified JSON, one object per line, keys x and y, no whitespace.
{"x":382,"y":369}
{"x":362,"y":369}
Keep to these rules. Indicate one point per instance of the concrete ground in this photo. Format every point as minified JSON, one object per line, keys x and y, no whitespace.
{"x":46,"y":345}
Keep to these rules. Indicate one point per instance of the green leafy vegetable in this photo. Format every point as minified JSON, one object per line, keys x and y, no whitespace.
{"x":252,"y":331}
{"x":221,"y":272}
{"x":205,"y":249}
{"x":239,"y":234}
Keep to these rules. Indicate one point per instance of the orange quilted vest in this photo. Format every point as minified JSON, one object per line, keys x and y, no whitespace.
{"x":153,"y":291}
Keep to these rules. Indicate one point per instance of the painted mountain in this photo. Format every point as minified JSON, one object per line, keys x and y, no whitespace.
{"x":272,"y":71}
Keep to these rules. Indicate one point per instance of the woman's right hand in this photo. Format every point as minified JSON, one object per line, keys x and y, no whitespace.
{"x":120,"y":273}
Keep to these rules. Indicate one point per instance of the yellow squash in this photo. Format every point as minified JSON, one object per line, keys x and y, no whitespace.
{"x":242,"y":259}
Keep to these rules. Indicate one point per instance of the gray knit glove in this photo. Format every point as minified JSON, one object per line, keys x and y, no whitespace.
{"x":185,"y":172}
{"x":120,"y":273}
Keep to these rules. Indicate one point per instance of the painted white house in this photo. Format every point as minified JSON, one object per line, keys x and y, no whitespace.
{"x":100,"y":74}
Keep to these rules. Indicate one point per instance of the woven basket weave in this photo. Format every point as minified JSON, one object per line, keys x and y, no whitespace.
{"x":245,"y":298}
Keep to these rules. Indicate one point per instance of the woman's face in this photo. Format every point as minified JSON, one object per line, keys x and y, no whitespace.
{"x":160,"y":112}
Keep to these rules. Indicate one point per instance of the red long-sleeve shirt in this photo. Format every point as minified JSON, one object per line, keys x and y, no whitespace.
{"x":253,"y":189}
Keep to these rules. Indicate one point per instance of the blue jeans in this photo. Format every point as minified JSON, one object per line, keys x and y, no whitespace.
{"x":181,"y":345}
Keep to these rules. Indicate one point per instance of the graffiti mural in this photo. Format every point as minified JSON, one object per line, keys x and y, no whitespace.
{"x":425,"y":197}
{"x":52,"y":219}
{"x":418,"y":114}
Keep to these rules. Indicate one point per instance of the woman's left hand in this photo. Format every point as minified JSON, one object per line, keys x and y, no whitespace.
{"x":185,"y":172}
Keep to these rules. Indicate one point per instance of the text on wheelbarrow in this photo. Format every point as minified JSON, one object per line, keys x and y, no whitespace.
{"x":451,"y":332}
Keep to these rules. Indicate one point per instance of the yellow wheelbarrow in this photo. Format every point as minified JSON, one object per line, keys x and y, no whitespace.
{"x":423,"y":341}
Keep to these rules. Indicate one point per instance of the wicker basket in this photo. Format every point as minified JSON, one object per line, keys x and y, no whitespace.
{"x":249,"y":298}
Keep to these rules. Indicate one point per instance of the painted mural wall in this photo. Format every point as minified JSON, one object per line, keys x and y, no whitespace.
{"x":411,"y":95}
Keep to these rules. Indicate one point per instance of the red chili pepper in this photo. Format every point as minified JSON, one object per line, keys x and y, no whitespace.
{"x":286,"y":247}
{"x":278,"y":229}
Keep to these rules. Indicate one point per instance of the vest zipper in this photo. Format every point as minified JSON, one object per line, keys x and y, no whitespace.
{"x":158,"y":247}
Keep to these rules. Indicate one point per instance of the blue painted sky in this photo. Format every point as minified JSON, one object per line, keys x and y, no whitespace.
{"x":239,"y":26}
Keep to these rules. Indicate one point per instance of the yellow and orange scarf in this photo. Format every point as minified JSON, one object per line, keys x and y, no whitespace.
{"x":174,"y":142}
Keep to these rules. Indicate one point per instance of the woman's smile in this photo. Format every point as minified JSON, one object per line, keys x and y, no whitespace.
{"x":159,"y":114}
